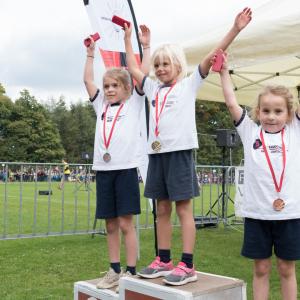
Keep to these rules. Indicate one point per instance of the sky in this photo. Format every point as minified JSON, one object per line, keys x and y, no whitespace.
{"x":42,"y":49}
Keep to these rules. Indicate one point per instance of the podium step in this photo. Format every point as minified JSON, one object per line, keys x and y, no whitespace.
{"x":208,"y":287}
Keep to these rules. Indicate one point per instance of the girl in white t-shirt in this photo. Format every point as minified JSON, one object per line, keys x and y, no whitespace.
{"x":172,"y":136}
{"x":118,"y":151}
{"x":271,"y":205}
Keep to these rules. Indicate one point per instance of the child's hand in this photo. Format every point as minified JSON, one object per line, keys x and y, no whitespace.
{"x":243,"y":18}
{"x":91,"y":48}
{"x":128,"y":31}
{"x":214,"y":58}
{"x":144,"y":36}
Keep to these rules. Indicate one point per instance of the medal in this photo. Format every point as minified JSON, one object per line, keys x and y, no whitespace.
{"x":278,"y":204}
{"x":106,"y":157}
{"x":156,"y":146}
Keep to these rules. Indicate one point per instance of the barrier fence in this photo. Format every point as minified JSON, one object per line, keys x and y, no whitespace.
{"x":36,"y":201}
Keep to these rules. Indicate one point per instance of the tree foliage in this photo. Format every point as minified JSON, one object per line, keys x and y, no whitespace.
{"x":32,"y":132}
{"x":27,"y":133}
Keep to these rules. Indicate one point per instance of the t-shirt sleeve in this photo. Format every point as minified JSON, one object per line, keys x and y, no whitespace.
{"x":97,"y":102}
{"x":195,"y":80}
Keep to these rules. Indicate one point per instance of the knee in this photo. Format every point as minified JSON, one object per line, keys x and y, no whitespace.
{"x":184,"y":209}
{"x":285,"y":268}
{"x":112,"y":227}
{"x":164,"y":210}
{"x":126,"y":226}
{"x":262,"y":269}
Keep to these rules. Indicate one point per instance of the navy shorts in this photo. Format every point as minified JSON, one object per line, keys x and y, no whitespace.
{"x":118,"y":193}
{"x":172,"y":175}
{"x":260,"y":236}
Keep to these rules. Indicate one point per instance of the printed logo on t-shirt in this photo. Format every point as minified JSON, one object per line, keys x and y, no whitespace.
{"x":275,"y":149}
{"x":153,"y":103}
{"x":110,"y":118}
{"x":257,"y":144}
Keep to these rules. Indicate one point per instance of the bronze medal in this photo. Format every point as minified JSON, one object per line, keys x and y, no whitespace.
{"x":156,"y":146}
{"x":107,"y":157}
{"x":278,"y":204}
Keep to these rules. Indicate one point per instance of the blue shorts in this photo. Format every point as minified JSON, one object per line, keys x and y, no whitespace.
{"x":118,"y":193}
{"x":260,"y":236}
{"x":172,"y":175}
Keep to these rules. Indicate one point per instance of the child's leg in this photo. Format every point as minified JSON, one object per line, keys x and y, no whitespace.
{"x":184,"y":211}
{"x":164,"y":226}
{"x":113,"y":239}
{"x":261,"y":274}
{"x":286,"y":269}
{"x":128,"y":231}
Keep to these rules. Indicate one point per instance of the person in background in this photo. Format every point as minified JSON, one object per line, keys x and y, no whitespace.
{"x":66,"y":174}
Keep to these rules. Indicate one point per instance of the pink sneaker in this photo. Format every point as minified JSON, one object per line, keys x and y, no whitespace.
{"x":181,"y":275}
{"x":156,"y":269}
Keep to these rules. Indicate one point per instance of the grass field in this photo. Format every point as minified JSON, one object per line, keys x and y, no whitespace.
{"x":46,"y":268}
{"x":25,"y":212}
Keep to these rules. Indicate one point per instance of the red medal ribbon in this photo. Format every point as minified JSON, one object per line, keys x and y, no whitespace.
{"x":157,"y":115}
{"x":277,"y":187}
{"x":107,"y":142}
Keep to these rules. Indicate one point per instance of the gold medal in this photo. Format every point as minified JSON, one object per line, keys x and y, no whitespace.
{"x":156,"y":146}
{"x":278,"y":204}
{"x":106,"y":157}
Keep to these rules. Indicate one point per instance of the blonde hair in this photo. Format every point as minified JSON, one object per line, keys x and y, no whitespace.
{"x":277,"y":90}
{"x":120,"y":75}
{"x":176,"y":56}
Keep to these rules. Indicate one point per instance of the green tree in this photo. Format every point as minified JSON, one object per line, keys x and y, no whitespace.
{"x":29,"y":134}
{"x":211,"y":116}
{"x":76,"y":127}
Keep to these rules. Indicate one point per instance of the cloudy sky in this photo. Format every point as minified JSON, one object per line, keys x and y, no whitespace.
{"x":42,"y":50}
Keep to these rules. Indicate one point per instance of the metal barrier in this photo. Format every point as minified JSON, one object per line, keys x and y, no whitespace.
{"x":33,"y":205}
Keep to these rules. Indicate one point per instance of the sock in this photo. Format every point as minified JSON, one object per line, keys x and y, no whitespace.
{"x":116,"y":266}
{"x":187,"y":258}
{"x":165,"y":255}
{"x":132,"y":270}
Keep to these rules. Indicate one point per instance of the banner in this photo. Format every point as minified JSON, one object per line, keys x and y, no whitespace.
{"x":111,"y":43}
{"x":239,"y":190}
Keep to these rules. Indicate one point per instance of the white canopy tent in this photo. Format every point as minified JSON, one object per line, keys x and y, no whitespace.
{"x":267,"y":51}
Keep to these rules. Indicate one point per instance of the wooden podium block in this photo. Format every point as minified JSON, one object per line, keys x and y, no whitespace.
{"x":208,"y":287}
{"x":87,"y":290}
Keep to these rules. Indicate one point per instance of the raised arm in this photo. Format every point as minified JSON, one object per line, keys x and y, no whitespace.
{"x":230,"y":100}
{"x":144,"y":36}
{"x":88,"y":75}
{"x":132,"y":64}
{"x":241,"y":21}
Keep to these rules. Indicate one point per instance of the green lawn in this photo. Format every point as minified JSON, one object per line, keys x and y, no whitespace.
{"x":46,"y":268}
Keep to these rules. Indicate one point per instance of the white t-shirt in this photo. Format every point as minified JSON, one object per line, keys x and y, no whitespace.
{"x":177,"y":124}
{"x":259,"y":188}
{"x":126,"y":144}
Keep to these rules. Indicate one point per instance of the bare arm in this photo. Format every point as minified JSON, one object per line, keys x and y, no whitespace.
{"x":144,"y":36}
{"x":132,"y":64}
{"x":241,"y":21}
{"x":88,"y":76}
{"x":230,"y":100}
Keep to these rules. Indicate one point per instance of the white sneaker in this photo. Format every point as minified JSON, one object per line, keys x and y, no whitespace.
{"x":110,"y":279}
{"x":127,"y":274}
